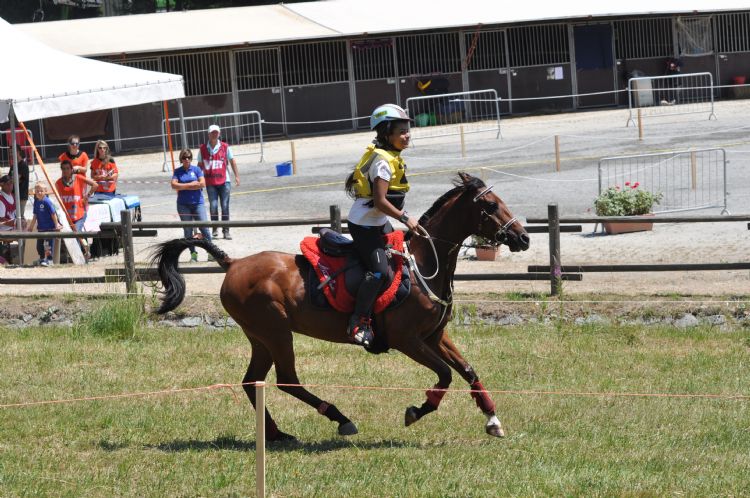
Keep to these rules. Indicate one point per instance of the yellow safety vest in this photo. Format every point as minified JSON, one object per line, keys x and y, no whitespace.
{"x":398,"y":183}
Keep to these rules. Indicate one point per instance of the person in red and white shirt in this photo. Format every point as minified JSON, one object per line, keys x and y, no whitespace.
{"x":7,"y":204}
{"x":213,"y":158}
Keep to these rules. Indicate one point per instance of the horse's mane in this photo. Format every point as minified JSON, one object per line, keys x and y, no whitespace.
{"x":463,"y":182}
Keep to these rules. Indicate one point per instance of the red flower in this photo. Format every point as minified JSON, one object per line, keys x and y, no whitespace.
{"x":627,"y":184}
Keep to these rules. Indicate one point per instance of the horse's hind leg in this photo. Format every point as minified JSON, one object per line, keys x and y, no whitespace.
{"x":260,"y":363}
{"x":424,"y":355}
{"x":450,"y":354}
{"x":286,"y":375}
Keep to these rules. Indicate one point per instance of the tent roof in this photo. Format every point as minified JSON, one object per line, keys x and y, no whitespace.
{"x":41,"y":82}
{"x":168,"y":31}
{"x":265,"y":24}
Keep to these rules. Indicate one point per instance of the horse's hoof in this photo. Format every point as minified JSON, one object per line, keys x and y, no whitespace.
{"x":348,"y":429}
{"x":494,"y":430}
{"x":411,"y":416}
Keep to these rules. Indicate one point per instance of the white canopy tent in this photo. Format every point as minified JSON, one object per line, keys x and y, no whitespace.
{"x":53,"y":83}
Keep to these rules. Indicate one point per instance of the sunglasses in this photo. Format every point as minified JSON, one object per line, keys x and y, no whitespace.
{"x":102,"y":148}
{"x":186,"y":157}
{"x":74,"y":143}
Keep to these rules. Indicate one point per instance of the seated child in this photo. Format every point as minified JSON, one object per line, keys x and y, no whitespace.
{"x":46,"y":217}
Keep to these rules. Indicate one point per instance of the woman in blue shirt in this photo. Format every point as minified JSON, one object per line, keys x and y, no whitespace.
{"x":189,"y":183}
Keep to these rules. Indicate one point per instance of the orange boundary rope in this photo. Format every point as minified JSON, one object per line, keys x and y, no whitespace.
{"x":740,"y":397}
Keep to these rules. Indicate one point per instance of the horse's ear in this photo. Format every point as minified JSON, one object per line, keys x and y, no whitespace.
{"x":465,"y":177}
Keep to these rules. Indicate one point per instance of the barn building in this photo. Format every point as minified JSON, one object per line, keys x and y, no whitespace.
{"x":320,"y":67}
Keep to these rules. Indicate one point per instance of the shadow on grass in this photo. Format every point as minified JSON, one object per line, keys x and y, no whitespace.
{"x":234,"y":444}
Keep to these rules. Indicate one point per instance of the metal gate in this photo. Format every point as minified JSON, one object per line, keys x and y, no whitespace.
{"x":241,"y":130}
{"x":443,"y":115}
{"x":688,"y":180}
{"x":671,"y":95}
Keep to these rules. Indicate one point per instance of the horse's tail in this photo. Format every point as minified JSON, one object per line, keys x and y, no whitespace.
{"x":165,"y":259}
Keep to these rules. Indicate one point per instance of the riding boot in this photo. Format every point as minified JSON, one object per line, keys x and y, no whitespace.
{"x":360,"y":329}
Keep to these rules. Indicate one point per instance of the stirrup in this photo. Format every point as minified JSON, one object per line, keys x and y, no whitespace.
{"x":360,"y":331}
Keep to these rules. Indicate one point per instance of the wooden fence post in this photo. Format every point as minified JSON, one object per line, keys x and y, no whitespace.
{"x":260,"y":439}
{"x":294,"y":158}
{"x":127,"y":250}
{"x":640,"y":125}
{"x":555,"y":272}
{"x":693,"y":170}
{"x":463,"y":142}
{"x":335,"y":217}
{"x":557,"y":153}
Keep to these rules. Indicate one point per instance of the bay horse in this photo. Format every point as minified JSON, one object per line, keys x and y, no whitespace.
{"x":265,"y":294}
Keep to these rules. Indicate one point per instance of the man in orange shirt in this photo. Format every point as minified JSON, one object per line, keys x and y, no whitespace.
{"x":74,"y":193}
{"x":78,"y":159}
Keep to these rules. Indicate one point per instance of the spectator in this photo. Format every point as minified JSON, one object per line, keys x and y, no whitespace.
{"x":74,"y":194}
{"x":104,"y":170}
{"x":78,"y":159}
{"x":7,"y":204}
{"x":189,"y":182}
{"x":23,"y":179}
{"x":46,"y":218}
{"x":213,"y":158}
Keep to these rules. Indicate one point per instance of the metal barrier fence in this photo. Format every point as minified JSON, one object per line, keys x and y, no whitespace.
{"x":449,"y":113}
{"x":688,"y":180}
{"x":241,"y":130}
{"x":671,"y":95}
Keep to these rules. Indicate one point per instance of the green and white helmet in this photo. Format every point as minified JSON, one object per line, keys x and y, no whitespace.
{"x":388,"y":112}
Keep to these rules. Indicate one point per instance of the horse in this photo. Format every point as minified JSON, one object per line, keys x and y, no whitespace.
{"x":265,"y":294}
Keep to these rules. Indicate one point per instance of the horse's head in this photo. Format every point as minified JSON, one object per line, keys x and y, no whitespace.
{"x":495,"y":222}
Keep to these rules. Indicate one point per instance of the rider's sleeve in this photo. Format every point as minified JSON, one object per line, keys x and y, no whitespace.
{"x":380,"y":169}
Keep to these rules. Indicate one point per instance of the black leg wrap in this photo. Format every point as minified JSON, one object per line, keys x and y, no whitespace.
{"x":425,"y":409}
{"x":334,"y":415}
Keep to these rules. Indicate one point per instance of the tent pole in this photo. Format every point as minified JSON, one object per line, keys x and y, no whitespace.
{"x":183,"y":133}
{"x":16,"y":189}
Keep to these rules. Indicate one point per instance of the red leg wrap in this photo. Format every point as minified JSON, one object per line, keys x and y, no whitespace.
{"x":482,"y":397}
{"x":435,"y":395}
{"x":323,"y":407}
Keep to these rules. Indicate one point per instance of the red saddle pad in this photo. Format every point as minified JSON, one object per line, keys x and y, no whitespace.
{"x":335,"y":291}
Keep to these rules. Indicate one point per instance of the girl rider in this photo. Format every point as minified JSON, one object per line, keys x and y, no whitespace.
{"x":378,"y":186}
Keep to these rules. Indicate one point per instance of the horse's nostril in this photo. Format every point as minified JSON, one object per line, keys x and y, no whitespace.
{"x":525,"y":241}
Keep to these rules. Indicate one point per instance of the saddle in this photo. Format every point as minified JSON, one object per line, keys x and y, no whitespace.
{"x":336,"y":272}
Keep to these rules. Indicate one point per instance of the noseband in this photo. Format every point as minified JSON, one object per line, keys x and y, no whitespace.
{"x":502,"y":234}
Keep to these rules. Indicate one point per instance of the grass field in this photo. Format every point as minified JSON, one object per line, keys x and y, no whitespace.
{"x":202,"y":443}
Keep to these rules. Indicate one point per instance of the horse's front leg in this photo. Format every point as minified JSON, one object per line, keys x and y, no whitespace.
{"x":423,"y":354}
{"x":450,"y":354}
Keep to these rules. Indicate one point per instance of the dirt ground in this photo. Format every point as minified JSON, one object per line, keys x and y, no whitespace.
{"x":520,"y":165}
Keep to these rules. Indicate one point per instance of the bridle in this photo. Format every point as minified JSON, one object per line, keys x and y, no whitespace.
{"x":501,"y":236}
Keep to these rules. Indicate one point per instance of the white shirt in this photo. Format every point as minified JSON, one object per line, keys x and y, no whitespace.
{"x":362,"y":214}
{"x":9,"y":198}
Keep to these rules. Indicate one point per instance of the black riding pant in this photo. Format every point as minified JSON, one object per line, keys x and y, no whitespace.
{"x":370,"y":246}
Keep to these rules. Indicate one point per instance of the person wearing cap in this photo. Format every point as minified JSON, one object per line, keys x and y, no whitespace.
{"x":378,"y":186}
{"x":7,"y":204}
{"x":213,"y":158}
{"x":78,"y":158}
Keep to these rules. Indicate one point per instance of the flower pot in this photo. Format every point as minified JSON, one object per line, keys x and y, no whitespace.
{"x":487,"y":253}
{"x":631,"y":226}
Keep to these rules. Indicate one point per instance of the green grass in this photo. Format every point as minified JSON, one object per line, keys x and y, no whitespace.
{"x":202,"y":443}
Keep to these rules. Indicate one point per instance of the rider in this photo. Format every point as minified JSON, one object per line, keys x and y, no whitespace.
{"x":378,"y":186}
